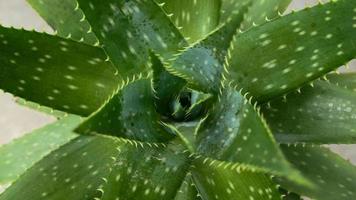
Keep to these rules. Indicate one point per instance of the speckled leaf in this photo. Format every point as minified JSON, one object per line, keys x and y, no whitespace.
{"x":188,"y":190}
{"x":195,"y":19}
{"x":202,"y":64}
{"x":66,"y":18}
{"x":54,"y":72}
{"x":146,"y":172}
{"x":217,"y":180}
{"x":19,"y":155}
{"x":333,"y":176}
{"x":235,"y":132}
{"x":166,"y":86}
{"x":74,"y":172}
{"x":347,"y":81}
{"x":258,"y":12}
{"x":324,"y":114}
{"x":129,"y":114}
{"x":145,"y":27}
{"x":229,"y":8}
{"x":329,"y":35}
{"x":262,"y":11}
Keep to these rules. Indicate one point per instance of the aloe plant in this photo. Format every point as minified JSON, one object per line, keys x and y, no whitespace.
{"x":182,"y":100}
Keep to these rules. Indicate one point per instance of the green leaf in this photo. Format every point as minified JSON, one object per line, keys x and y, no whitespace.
{"x":188,"y":190}
{"x":195,"y":19}
{"x":130,"y":113}
{"x":128,"y":29}
{"x":329,"y":36}
{"x":286,"y":195}
{"x":259,"y":11}
{"x":262,"y":11}
{"x":19,"y":155}
{"x":44,"y":109}
{"x":66,"y":18}
{"x":235,"y":132}
{"x":202,"y":64}
{"x":74,"y":171}
{"x":347,"y":81}
{"x":333,"y":176}
{"x":189,"y":105}
{"x":58,"y":73}
{"x":186,"y":133}
{"x":166,"y":86}
{"x":323,"y":114}
{"x":146,"y":172}
{"x":229,"y":8}
{"x":200,"y":102}
{"x":218,"y":180}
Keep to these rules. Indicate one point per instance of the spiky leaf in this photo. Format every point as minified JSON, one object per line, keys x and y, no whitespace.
{"x":166,"y":86}
{"x":217,"y":180}
{"x":200,"y":102}
{"x":333,"y":177}
{"x":54,"y":72}
{"x":38,"y":107}
{"x":325,"y":114}
{"x":145,"y":27}
{"x":202,"y":64}
{"x":189,"y":105}
{"x":235,"y":132}
{"x":347,"y":81}
{"x":146,"y":172}
{"x":286,"y":195}
{"x":19,"y":155}
{"x":130,"y":114}
{"x":262,"y":11}
{"x":74,"y":171}
{"x":195,"y":19}
{"x":329,"y":33}
{"x":186,"y":131}
{"x":66,"y":18}
{"x":188,"y":190}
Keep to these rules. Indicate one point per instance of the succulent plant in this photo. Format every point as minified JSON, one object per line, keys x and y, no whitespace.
{"x":182,"y":100}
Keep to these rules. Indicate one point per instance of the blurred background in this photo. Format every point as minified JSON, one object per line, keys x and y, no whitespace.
{"x":16,"y":120}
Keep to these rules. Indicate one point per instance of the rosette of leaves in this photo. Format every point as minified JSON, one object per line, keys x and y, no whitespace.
{"x":189,"y":99}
